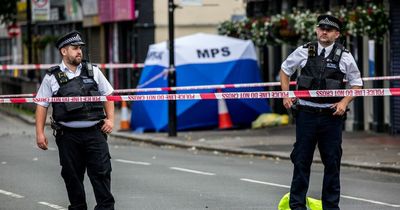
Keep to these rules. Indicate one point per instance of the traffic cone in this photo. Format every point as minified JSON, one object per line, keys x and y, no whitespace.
{"x":224,"y":119}
{"x":124,"y":121}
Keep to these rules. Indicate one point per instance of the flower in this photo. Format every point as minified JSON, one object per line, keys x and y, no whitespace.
{"x":305,"y":24}
{"x":377,"y":22}
{"x":299,"y":26}
{"x":370,"y":20}
{"x":283,"y":28}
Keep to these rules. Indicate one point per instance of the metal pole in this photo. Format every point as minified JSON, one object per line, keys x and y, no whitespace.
{"x":378,"y":124}
{"x":359,"y":101}
{"x":31,"y":74}
{"x":171,"y":72}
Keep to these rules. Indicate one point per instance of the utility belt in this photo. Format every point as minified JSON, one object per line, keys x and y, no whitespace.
{"x":317,"y":110}
{"x":57,"y":127}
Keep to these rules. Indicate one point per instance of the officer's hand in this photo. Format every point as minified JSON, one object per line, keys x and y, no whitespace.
{"x":288,"y":102}
{"x":340,"y":108}
{"x":41,"y":141}
{"x":107,"y":126}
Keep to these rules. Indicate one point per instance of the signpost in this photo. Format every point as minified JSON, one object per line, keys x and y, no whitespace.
{"x":40,"y":10}
{"x":13,"y":30}
{"x":171,"y":73}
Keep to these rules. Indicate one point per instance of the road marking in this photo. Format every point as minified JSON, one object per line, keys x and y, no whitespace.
{"x":54,"y":206}
{"x":10,"y":194}
{"x":132,"y":162}
{"x":192,"y":171}
{"x":370,"y":201}
{"x":52,"y":149}
{"x":266,"y":183}
{"x":343,"y":196}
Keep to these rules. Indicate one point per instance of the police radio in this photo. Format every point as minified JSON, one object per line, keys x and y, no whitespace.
{"x":89,"y":68}
{"x":89,"y":65}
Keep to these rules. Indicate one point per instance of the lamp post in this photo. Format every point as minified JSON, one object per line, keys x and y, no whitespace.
{"x":171,"y":70}
{"x":31,"y":74}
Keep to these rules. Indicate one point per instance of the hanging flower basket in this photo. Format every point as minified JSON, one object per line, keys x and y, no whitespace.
{"x":299,"y":26}
{"x":283,"y":28}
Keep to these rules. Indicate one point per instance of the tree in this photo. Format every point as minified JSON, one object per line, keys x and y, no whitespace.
{"x":8,"y":11}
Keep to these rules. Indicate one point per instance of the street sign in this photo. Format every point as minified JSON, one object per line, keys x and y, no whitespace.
{"x":13,"y":30}
{"x":40,"y":10}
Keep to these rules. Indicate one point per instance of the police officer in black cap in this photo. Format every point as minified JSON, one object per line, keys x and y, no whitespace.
{"x":323,"y":64}
{"x":80,"y":128}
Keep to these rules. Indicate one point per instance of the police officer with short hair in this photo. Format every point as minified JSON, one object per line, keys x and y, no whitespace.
{"x":319,"y":121}
{"x":80,"y":128}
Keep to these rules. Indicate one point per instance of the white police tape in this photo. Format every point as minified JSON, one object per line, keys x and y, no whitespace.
{"x":211,"y":96}
{"x":223,"y":86}
{"x":47,"y":66}
{"x":243,"y":85}
{"x":205,"y":87}
{"x":18,"y":95}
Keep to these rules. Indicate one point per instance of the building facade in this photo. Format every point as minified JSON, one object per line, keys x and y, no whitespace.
{"x":194,"y":19}
{"x":121,"y":32}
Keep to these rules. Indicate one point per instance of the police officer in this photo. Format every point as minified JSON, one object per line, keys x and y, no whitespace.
{"x":80,"y":128}
{"x":323,"y":65}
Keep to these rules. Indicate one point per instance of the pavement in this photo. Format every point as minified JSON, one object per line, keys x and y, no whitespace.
{"x":361,"y":149}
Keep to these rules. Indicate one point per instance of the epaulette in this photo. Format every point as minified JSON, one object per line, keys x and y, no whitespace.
{"x":60,"y":76}
{"x":306,"y":45}
{"x":52,"y":69}
{"x":312,"y":48}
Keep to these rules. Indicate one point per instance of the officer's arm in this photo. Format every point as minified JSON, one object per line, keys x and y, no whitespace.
{"x":41,"y":114}
{"x":109,"y":108}
{"x":353,"y":75}
{"x":109,"y":121}
{"x":285,"y":80}
{"x":348,"y":99}
{"x":341,"y":106}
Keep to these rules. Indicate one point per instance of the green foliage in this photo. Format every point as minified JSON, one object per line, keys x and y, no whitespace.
{"x":299,"y":26}
{"x":8,"y":11}
{"x":41,"y":41}
{"x":283,"y":28}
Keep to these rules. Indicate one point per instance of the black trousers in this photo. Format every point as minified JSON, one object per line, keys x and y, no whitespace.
{"x":80,"y":150}
{"x":325,"y":131}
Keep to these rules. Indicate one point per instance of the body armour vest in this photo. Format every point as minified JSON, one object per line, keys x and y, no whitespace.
{"x":321,"y":73}
{"x":82,"y":85}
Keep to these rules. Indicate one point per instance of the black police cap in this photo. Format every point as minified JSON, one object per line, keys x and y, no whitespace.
{"x":329,"y":22}
{"x":71,"y":38}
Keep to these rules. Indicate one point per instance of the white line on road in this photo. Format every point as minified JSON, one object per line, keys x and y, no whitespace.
{"x":10,"y":194}
{"x":343,"y":196}
{"x":54,"y":206}
{"x":192,"y":171}
{"x":132,"y":162}
{"x":52,"y":149}
{"x":370,"y":201}
{"x":266,"y":183}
